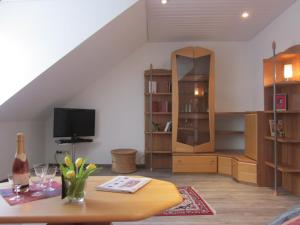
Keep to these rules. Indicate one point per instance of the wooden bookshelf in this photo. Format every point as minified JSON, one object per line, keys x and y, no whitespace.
{"x":284,"y":169}
{"x":158,"y":143}
{"x":288,"y":146}
{"x":284,"y":140}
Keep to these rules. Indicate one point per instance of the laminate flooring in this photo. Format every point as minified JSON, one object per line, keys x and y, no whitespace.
{"x":235,"y":203}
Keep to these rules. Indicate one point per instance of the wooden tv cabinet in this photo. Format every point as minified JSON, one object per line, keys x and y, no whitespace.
{"x":230,"y":163}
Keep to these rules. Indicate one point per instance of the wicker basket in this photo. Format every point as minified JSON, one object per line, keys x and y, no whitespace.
{"x":123,"y":160}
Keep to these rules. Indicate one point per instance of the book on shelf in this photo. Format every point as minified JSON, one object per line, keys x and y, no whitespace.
{"x":155,"y":106}
{"x":124,"y":184}
{"x":281,"y":102}
{"x":168,"y":127}
{"x":152,"y":86}
{"x":170,"y":86}
{"x":164,"y":106}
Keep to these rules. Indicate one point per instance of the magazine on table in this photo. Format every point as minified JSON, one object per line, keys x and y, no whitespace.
{"x":124,"y":184}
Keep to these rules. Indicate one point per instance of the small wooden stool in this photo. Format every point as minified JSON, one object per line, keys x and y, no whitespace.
{"x":123,"y":160}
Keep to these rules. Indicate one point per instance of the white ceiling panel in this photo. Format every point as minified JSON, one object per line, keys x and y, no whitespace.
{"x":213,"y":20}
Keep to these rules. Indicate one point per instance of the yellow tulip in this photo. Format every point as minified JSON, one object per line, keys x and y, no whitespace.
{"x":78,"y":162}
{"x":91,"y":166}
{"x":68,"y":161}
{"x":70,"y":174}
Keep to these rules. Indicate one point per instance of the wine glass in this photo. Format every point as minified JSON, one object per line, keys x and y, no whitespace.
{"x":41,"y":171}
{"x":16,"y":188}
{"x":36,"y":184}
{"x":51,"y":172}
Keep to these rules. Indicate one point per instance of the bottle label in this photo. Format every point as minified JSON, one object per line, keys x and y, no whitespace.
{"x":22,"y":179}
{"x":21,"y":156}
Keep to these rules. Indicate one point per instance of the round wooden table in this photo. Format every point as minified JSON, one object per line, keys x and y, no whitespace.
{"x":99,"y":207}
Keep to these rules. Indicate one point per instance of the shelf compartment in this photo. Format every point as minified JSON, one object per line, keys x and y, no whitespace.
{"x":195,"y":78}
{"x":283,"y":168}
{"x":159,"y":133}
{"x":193,"y":115}
{"x":283,"y":83}
{"x":283,"y":112}
{"x":192,"y":130}
{"x":284,"y":140}
{"x":159,"y":113}
{"x":229,"y":132}
{"x":158,"y":73}
{"x":159,"y":94}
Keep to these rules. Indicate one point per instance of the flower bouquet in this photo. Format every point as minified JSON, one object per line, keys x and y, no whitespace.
{"x":74,"y":178}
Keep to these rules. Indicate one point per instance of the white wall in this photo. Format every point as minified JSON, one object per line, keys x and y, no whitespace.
{"x":34,"y":143}
{"x":118,"y":96}
{"x":36,"y":34}
{"x":285,"y":31}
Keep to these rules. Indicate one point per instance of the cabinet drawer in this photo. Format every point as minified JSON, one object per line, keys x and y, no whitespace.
{"x":194,"y":164}
{"x":224,"y":165}
{"x":247,"y":172}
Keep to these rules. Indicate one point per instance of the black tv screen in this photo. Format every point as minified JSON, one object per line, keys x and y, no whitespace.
{"x":74,"y":122}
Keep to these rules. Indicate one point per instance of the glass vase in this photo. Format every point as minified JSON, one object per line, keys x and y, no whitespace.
{"x":75,"y":190}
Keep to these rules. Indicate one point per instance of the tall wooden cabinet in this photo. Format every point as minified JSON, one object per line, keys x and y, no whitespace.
{"x":193,"y":100}
{"x":193,"y":111}
{"x":288,"y":121}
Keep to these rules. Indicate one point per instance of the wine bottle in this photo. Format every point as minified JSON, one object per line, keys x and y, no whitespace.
{"x":20,"y":168}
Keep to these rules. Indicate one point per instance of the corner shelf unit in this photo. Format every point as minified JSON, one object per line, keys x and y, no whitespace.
{"x":286,"y":157}
{"x":158,"y":111}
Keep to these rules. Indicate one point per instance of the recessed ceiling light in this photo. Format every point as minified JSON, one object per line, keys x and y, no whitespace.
{"x":245,"y":15}
{"x":164,"y":2}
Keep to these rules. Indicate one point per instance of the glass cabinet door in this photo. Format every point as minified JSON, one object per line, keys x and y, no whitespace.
{"x":193,"y":102}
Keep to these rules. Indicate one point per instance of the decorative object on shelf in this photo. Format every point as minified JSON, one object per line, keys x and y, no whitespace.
{"x":168,"y":127}
{"x":272,"y":127}
{"x":74,"y":176}
{"x":280,"y":130}
{"x":281,"y":102}
{"x":288,"y":71}
{"x":156,"y":126}
{"x":279,"y":126}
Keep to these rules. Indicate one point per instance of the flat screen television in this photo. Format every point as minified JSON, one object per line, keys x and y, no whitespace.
{"x":74,"y":122}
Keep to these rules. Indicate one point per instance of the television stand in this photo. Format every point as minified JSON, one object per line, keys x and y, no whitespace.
{"x":73,"y":141}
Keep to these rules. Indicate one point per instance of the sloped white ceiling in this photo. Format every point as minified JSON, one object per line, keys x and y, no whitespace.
{"x":78,"y":69}
{"x":36,"y":34}
{"x":209,"y":20}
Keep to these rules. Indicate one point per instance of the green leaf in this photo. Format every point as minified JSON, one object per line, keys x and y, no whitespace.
{"x":63,"y":170}
{"x":81,"y":168}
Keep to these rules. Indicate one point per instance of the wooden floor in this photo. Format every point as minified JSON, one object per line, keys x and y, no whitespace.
{"x":235,"y":203}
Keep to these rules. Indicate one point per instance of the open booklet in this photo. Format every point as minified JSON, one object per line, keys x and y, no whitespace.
{"x":124,"y":184}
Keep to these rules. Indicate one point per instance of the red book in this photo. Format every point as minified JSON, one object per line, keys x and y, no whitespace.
{"x":155,"y":106}
{"x":281,"y":102}
{"x":164,"y":106}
